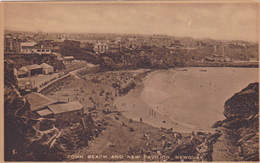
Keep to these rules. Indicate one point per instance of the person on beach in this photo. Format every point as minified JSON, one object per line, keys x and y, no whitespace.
{"x":154,"y":114}
{"x":141,"y":120}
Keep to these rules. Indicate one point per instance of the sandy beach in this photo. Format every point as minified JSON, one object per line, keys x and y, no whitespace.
{"x":120,"y":135}
{"x":162,"y":105}
{"x":134,"y":107}
{"x":186,"y":100}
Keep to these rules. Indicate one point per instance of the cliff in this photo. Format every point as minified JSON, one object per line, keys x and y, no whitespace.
{"x":242,"y":119}
{"x":28,"y":137}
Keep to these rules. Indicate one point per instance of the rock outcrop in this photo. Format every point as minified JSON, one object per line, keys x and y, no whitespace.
{"x":242,"y":118}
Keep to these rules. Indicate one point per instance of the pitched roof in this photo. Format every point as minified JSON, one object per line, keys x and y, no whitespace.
{"x":31,"y":67}
{"x":44,"y":112}
{"x":38,"y":101}
{"x":45,"y":65}
{"x":31,"y":44}
{"x":66,"y":107}
{"x":21,"y":72}
{"x":99,"y":43}
{"x":68,"y":57}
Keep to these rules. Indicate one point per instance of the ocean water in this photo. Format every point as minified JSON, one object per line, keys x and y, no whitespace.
{"x":195,"y":98}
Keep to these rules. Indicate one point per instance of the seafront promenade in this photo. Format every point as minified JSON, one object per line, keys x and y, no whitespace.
{"x":223,"y":64}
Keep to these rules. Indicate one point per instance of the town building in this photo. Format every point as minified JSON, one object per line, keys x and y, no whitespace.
{"x":159,"y":41}
{"x":57,"y":44}
{"x":134,"y":42}
{"x":101,"y":47}
{"x":47,"y":69}
{"x":31,"y":70}
{"x":25,"y":85}
{"x":65,"y":113}
{"x":21,"y":73}
{"x":32,"y":47}
{"x":11,"y":44}
{"x":114,"y":49}
{"x":38,"y":101}
{"x":68,"y":58}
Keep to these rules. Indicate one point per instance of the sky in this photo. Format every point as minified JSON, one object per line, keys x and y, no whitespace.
{"x":224,"y":21}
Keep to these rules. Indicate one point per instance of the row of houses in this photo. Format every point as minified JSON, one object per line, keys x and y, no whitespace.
{"x":132,"y":42}
{"x":14,"y":44}
{"x":155,"y":40}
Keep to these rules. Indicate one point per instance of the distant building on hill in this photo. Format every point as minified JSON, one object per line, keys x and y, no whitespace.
{"x":11,"y":44}
{"x":68,"y":58}
{"x":101,"y":47}
{"x":32,"y":47}
{"x":159,"y":41}
{"x":114,"y":48}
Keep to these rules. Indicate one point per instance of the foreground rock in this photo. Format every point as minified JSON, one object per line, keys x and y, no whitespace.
{"x":242,"y":123}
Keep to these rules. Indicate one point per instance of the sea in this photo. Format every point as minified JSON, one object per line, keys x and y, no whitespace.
{"x":195,"y":96}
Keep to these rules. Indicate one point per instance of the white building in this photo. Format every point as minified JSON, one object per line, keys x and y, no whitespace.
{"x":31,"y":48}
{"x":101,"y":47}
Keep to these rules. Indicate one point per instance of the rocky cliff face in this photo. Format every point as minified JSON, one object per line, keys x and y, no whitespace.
{"x":28,"y":137}
{"x":242,"y":118}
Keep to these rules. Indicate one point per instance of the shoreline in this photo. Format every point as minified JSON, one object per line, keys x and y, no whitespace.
{"x":117,"y":137}
{"x":137,"y":108}
{"x":142,"y":108}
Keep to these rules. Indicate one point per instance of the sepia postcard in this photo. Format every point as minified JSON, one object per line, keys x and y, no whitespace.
{"x":131,"y":81}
